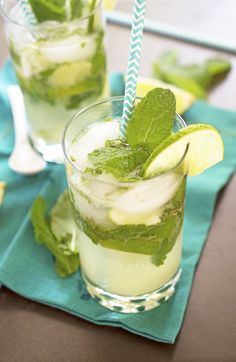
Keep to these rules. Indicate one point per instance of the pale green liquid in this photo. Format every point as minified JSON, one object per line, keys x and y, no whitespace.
{"x":123,"y":273}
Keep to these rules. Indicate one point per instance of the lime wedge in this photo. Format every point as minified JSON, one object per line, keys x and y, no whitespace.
{"x":205,"y":149}
{"x":184,"y":99}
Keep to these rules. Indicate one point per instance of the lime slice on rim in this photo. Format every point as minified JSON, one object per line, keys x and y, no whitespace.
{"x":205,"y":149}
{"x":183,"y":98}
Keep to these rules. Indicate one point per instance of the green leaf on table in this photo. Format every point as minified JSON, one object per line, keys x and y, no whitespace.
{"x":117,"y":158}
{"x":63,"y":226}
{"x":194,"y":78}
{"x":152,"y":119}
{"x":65,"y":264}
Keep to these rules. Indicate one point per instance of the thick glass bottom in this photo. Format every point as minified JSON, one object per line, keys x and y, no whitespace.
{"x":129,"y":304}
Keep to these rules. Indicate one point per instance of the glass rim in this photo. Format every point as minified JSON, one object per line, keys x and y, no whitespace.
{"x":116,"y":182}
{"x":53,"y":23}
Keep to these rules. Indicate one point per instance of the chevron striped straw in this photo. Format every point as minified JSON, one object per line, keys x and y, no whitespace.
{"x":27,"y":11}
{"x":133,"y":63}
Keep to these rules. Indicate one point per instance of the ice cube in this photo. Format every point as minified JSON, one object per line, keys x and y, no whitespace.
{"x":147,"y":196}
{"x":71,"y":49}
{"x":94,"y":138}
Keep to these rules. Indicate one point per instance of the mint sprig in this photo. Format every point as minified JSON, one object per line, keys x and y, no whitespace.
{"x":65,"y":264}
{"x":117,"y":158}
{"x":152,"y":120}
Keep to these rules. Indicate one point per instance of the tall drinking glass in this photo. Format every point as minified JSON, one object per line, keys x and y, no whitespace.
{"x":130,"y":233}
{"x":60,"y":66}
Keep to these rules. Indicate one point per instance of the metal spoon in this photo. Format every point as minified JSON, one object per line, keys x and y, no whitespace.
{"x":24,"y":159}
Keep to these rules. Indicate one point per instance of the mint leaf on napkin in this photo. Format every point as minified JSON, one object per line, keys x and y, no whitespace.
{"x":152,"y":120}
{"x":194,"y":78}
{"x":117,"y":158}
{"x":65,"y":265}
{"x":63,"y":226}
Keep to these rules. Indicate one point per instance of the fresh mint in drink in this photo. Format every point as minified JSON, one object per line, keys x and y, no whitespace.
{"x":59,"y":237}
{"x":152,"y":119}
{"x":57,"y":10}
{"x":117,"y":158}
{"x":155,"y":240}
{"x":151,"y":123}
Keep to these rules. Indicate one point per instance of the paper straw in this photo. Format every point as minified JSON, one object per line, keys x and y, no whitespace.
{"x":133,"y":63}
{"x":27,"y":11}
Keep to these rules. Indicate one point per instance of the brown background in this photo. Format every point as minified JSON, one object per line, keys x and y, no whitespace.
{"x":33,"y":332}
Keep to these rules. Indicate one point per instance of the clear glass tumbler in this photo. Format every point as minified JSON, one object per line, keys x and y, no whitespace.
{"x":130,"y":233}
{"x":60,"y":66}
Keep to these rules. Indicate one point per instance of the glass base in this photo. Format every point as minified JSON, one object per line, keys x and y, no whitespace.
{"x":140,"y":303}
{"x":49,"y":152}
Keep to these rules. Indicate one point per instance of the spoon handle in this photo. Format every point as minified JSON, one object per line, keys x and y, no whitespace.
{"x":18,"y":111}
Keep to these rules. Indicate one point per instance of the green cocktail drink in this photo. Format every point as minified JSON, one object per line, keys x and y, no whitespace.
{"x":130,"y":227}
{"x":128,"y":195}
{"x":60,"y":65}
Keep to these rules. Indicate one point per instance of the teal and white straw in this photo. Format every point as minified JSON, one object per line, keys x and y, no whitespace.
{"x":133,"y":63}
{"x":27,"y":11}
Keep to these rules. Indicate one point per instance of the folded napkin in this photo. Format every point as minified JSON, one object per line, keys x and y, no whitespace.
{"x":27,"y":267}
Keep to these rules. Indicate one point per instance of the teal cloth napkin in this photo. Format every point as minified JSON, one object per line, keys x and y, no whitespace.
{"x":27,"y":267}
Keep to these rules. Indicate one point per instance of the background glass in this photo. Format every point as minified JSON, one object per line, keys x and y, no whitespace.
{"x":60,"y":67}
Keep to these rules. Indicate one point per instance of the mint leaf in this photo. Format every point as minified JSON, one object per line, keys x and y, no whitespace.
{"x":91,"y":18}
{"x":63,"y":226}
{"x":174,"y":207}
{"x":99,"y":58}
{"x":65,"y":265}
{"x":195,"y":78}
{"x":217,"y":66}
{"x":154,"y":240}
{"x":140,"y":239}
{"x":37,"y":86}
{"x":117,"y":158}
{"x":76,"y":8}
{"x":55,"y":9}
{"x":152,"y":120}
{"x":48,"y":10}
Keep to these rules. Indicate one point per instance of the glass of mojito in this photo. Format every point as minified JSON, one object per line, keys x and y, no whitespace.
{"x":128,"y":205}
{"x":60,"y":64}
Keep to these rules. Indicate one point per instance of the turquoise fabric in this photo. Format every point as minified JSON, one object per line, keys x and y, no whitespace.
{"x":27,"y":267}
